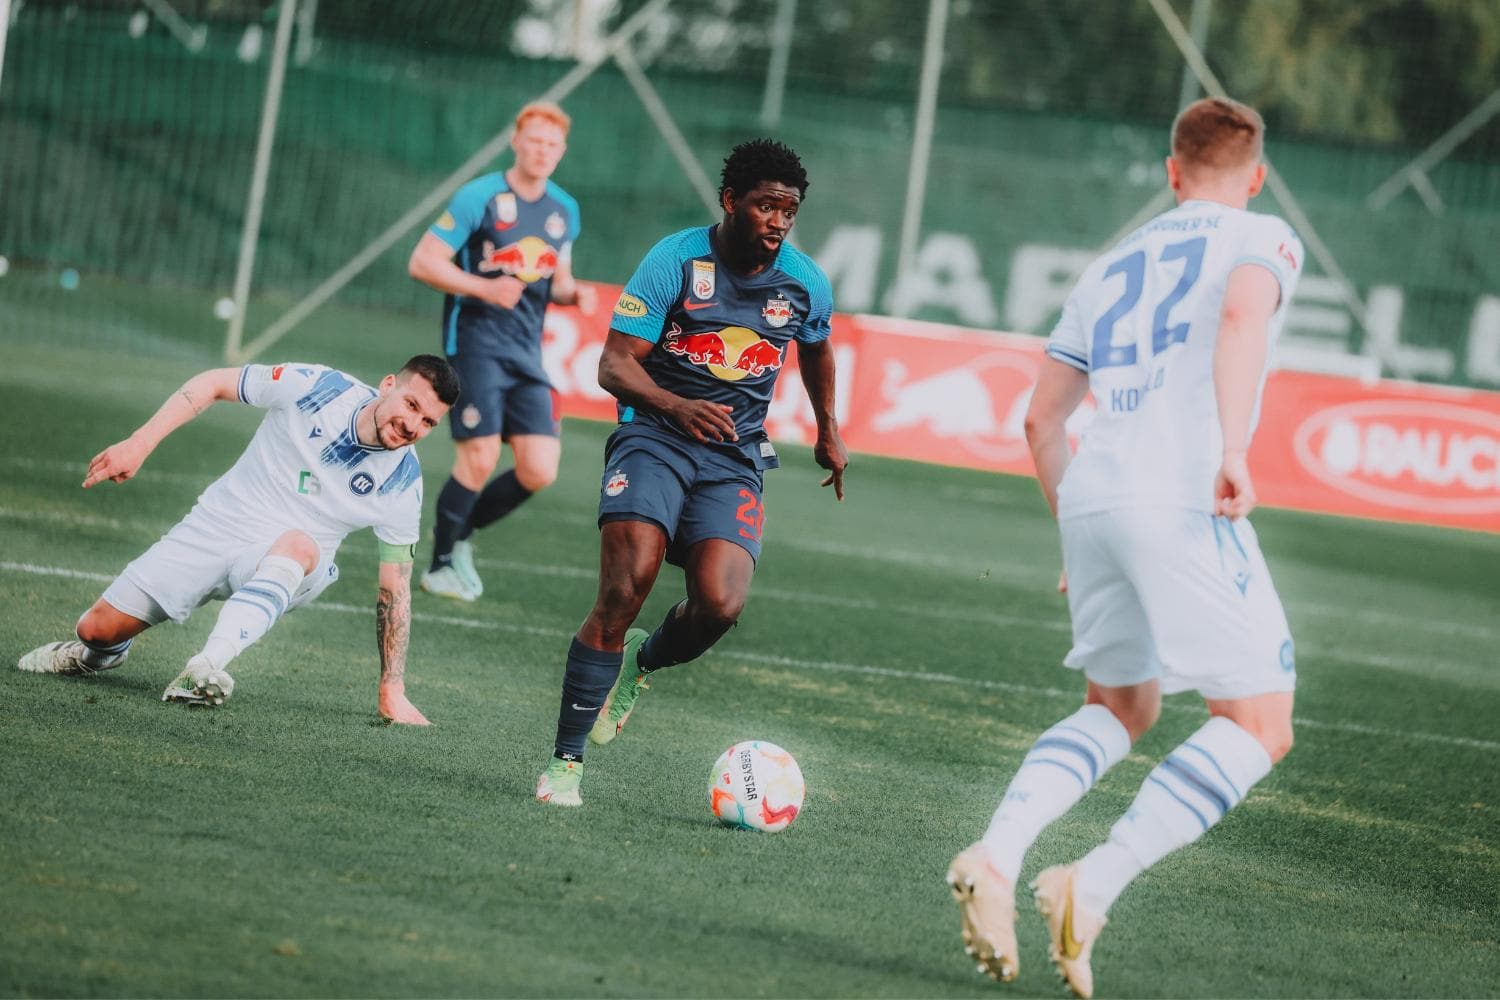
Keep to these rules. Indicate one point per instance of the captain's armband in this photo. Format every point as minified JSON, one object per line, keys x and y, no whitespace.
{"x":397,"y":553}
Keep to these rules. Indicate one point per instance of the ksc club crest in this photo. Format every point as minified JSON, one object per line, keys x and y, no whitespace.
{"x":777,"y":313}
{"x":616,"y":483}
{"x":361,"y":483}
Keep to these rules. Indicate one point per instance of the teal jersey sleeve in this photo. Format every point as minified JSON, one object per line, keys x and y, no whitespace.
{"x":648,"y":297}
{"x":465,"y":213}
{"x":819,"y":323}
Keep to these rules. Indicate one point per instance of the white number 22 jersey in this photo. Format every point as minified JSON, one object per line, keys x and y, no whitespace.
{"x":1142,"y":322}
{"x":306,"y":468}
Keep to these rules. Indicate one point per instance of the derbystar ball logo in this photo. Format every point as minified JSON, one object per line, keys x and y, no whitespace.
{"x":530,"y":258}
{"x":731,"y":354}
{"x":1436,"y":458}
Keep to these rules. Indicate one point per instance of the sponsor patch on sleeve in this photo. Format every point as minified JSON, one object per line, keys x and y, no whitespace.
{"x":630,"y":306}
{"x":445,"y":221}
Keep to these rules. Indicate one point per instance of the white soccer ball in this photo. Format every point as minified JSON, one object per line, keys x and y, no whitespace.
{"x":756,"y":785}
{"x":224,"y":309}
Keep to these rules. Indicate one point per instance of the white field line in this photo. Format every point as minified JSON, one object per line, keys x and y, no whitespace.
{"x":80,"y":469}
{"x":72,"y":518}
{"x":824,"y":665}
{"x":809,"y":597}
{"x":929,"y":611}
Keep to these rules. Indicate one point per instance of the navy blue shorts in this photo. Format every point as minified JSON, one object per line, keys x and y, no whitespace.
{"x":692,"y":492}
{"x":493,"y":398}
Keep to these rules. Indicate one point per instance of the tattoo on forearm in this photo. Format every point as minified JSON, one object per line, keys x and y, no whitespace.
{"x":192,"y":403}
{"x":392,"y":633}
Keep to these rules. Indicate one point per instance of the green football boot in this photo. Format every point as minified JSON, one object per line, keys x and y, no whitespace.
{"x":625,"y":693}
{"x":559,"y":783}
{"x":463,"y":564}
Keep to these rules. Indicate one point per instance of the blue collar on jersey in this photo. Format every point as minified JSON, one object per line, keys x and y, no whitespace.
{"x":354,"y":428}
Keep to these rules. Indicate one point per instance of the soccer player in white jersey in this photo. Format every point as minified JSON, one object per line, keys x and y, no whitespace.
{"x":1166,"y":586}
{"x":331,"y":456}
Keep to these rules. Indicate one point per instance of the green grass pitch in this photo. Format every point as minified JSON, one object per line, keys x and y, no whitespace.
{"x":903,"y":645}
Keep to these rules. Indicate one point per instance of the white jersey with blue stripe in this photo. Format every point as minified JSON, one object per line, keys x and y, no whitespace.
{"x":305,"y":468}
{"x":1142,"y":322}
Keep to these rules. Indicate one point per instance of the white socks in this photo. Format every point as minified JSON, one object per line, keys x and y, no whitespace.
{"x":1182,"y":797}
{"x":97,"y":657}
{"x":250,"y":611}
{"x":1064,"y":763}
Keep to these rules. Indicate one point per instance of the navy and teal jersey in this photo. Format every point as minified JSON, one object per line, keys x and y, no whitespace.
{"x":492,"y":232}
{"x":719,"y":335}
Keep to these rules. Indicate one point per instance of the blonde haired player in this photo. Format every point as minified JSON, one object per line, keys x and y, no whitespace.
{"x":1166,"y":586}
{"x":501,"y":252}
{"x":331,"y":456}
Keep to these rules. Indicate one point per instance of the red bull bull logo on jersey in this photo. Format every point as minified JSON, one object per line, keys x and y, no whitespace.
{"x":530,"y":258}
{"x":731,"y":354}
{"x":777,"y":313}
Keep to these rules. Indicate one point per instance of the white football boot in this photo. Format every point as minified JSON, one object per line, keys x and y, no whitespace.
{"x":987,"y":909}
{"x":1072,"y":930}
{"x":200,"y":683}
{"x":61,"y":658}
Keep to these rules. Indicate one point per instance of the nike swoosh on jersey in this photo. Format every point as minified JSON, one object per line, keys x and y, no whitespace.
{"x":583,"y":708}
{"x":691,"y":306}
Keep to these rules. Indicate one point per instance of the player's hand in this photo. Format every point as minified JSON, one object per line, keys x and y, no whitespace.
{"x":831,"y":454}
{"x":705,"y":421}
{"x":1062,"y":582}
{"x":116,"y":463}
{"x":395,"y":708}
{"x":504,"y":291}
{"x":1234,"y":493}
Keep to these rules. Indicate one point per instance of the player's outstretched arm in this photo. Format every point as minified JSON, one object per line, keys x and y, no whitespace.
{"x":123,"y":459}
{"x":621,"y":375}
{"x":1250,"y":299}
{"x":392,"y":635}
{"x":1059,"y":390}
{"x":815,"y":361}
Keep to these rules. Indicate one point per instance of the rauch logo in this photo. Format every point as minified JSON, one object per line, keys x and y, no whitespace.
{"x":1436,"y":458}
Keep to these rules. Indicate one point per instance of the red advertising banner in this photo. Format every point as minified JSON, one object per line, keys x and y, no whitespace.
{"x":953,"y":396}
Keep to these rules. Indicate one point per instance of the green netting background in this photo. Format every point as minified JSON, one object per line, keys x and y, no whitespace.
{"x":126,"y":152}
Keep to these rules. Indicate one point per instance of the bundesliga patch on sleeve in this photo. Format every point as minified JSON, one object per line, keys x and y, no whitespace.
{"x":629,"y":306}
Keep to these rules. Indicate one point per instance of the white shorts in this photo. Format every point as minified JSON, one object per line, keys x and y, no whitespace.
{"x":195,"y":563}
{"x":1176,"y":595}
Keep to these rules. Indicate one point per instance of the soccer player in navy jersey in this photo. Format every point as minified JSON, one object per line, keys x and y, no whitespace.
{"x":502,"y":251}
{"x":696,"y":341}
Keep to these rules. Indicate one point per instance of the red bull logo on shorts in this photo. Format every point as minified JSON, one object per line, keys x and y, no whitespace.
{"x":731,"y":354}
{"x":530,"y":258}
